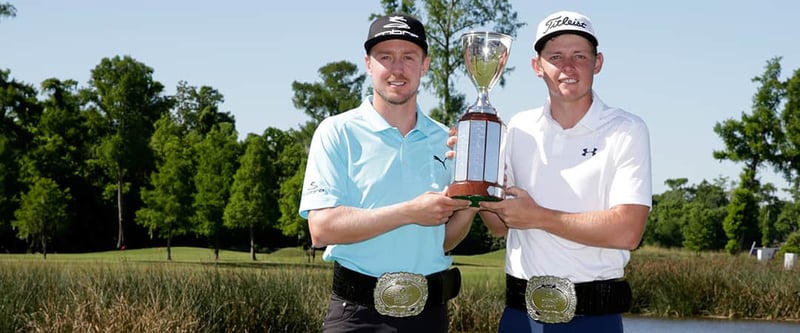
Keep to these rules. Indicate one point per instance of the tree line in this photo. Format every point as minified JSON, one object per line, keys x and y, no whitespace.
{"x":734,"y":215}
{"x":118,"y":163}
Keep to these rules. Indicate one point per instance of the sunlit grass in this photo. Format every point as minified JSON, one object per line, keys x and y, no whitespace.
{"x":140,"y":291}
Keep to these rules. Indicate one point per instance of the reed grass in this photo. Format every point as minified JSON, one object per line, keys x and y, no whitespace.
{"x":139,"y":291}
{"x":166,"y":297}
{"x":681,"y":284}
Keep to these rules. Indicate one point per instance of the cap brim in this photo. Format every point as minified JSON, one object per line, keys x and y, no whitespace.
{"x":540,"y":43}
{"x":373,"y":41}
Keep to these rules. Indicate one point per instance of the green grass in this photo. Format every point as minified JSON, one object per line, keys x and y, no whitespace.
{"x":203,"y":255}
{"x":672,"y":283}
{"x":140,"y":291}
{"x":179,"y":254}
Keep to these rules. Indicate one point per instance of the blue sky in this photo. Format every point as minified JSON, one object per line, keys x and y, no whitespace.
{"x":681,"y":65}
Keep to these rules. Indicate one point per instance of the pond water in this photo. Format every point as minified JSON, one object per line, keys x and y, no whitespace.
{"x":658,"y":325}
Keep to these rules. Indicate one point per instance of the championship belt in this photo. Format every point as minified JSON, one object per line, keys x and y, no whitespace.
{"x":550,"y":299}
{"x":400,"y":294}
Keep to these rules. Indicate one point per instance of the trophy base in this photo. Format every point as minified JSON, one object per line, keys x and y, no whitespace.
{"x":475,"y":191}
{"x":475,"y":199}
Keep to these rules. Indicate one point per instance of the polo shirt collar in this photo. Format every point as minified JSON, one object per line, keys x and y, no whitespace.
{"x":377,"y":123}
{"x":593,"y":118}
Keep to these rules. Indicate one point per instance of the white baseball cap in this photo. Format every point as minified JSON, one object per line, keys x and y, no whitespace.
{"x":560,"y":23}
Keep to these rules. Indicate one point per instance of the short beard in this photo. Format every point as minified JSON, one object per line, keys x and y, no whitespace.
{"x":394,"y":101}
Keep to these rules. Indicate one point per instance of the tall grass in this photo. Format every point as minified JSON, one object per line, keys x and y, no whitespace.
{"x":481,"y":301}
{"x":282,"y":292}
{"x":136,"y":297}
{"x":680,"y":284}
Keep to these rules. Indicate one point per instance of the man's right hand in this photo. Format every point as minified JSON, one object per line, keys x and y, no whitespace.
{"x":434,"y":208}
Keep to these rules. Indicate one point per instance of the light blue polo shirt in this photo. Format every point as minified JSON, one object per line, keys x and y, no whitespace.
{"x":357,"y":159}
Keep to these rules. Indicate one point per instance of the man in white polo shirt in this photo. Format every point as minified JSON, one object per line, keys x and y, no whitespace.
{"x":579,"y":182}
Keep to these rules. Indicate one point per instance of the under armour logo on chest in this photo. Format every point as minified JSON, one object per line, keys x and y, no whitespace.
{"x":586,"y":151}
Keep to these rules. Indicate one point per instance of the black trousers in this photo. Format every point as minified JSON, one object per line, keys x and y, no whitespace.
{"x":344,"y":316}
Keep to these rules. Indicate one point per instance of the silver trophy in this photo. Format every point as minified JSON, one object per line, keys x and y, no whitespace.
{"x":479,"y":161}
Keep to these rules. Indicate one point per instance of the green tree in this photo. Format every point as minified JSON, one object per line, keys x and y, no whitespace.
{"x":59,"y":145}
{"x":217,"y":160}
{"x":292,"y":160}
{"x":276,"y":141}
{"x":339,"y":91}
{"x":198,"y":109}
{"x":130,"y":101}
{"x":19,"y":114}
{"x":705,"y":214}
{"x":790,"y":148}
{"x":42,"y":213}
{"x":700,"y":231}
{"x":771,"y":207}
{"x":212,"y":136}
{"x":754,"y":140}
{"x":290,"y":222}
{"x":7,"y":10}
{"x":788,"y":221}
{"x":445,"y":21}
{"x":792,"y":244}
{"x":168,"y":204}
{"x":247,"y":207}
{"x":668,"y":216}
{"x":741,"y":221}
{"x":6,"y":165}
{"x":59,"y":150}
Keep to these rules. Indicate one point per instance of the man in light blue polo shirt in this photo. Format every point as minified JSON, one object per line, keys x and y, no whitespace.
{"x":373,"y":195}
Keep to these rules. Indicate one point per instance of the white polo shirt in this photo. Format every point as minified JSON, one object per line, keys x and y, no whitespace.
{"x":601,"y":162}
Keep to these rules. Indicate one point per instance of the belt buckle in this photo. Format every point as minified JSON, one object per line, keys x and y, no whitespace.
{"x":400,"y":294}
{"x":550,"y":299}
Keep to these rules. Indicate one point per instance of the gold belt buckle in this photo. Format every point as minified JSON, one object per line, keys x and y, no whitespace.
{"x":400,"y":294}
{"x":550,"y":299}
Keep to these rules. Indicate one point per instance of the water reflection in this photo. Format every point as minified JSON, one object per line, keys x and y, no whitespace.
{"x":653,"y":325}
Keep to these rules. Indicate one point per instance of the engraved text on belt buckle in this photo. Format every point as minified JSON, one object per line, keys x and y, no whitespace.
{"x":400,"y":294}
{"x":550,"y":299}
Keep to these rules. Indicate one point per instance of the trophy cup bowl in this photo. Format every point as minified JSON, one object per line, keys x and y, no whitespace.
{"x":479,"y":160}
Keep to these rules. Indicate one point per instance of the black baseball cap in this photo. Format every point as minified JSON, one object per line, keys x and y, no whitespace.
{"x":396,"y":26}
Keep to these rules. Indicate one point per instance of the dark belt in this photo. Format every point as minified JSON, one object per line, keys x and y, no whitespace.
{"x":594,"y":298}
{"x":358,"y":288}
